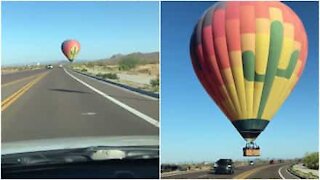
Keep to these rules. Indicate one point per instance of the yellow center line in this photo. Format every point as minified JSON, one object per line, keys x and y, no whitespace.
{"x":18,"y":80}
{"x":11,"y":99}
{"x":246,"y":174}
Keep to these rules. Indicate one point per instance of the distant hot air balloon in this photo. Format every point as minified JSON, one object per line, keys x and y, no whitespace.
{"x":70,"y":49}
{"x":249,"y":56}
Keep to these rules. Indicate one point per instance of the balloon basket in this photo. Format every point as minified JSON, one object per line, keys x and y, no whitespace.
{"x":251,"y":149}
{"x":251,"y":152}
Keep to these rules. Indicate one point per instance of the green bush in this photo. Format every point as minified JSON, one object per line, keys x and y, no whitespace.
{"x":154,"y":82}
{"x":128,"y":63}
{"x":111,"y":76}
{"x":108,"y":75}
{"x":100,"y":63}
{"x":311,"y":160}
{"x":155,"y":85}
{"x":302,"y":174}
{"x":89,"y":64}
{"x":84,"y":70}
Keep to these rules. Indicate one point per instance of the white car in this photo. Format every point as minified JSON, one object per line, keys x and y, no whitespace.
{"x":251,"y":163}
{"x":49,"y":66}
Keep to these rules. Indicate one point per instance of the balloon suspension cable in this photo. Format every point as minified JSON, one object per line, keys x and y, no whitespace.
{"x":251,"y":145}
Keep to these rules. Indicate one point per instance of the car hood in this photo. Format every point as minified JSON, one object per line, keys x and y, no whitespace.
{"x":73,"y":143}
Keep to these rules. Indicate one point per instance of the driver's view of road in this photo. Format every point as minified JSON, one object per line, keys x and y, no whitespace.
{"x":58,"y":103}
{"x":80,"y":90}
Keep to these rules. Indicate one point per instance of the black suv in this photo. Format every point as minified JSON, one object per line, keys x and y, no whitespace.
{"x":224,"y":166}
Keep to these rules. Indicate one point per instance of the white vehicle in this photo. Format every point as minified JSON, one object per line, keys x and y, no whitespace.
{"x":49,"y":66}
{"x":251,"y":163}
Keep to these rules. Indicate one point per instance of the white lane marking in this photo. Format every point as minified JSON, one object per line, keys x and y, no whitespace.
{"x":124,"y":106}
{"x":279,"y":172}
{"x":124,"y":89}
{"x":88,"y":113}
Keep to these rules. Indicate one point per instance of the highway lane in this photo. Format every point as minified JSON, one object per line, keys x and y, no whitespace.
{"x":244,"y":172}
{"x":6,"y":78}
{"x":208,"y":174}
{"x":13,"y":86}
{"x":59,"y":106}
{"x":148,"y":105}
{"x":10,"y":83}
{"x":277,"y":171}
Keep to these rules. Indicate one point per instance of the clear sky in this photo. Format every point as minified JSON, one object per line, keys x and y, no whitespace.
{"x":192,"y":126}
{"x":34,"y":31}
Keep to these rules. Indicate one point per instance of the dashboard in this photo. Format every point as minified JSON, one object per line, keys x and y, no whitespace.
{"x":107,"y":169}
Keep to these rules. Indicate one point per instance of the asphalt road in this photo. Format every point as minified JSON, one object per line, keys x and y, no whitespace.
{"x":244,"y":172}
{"x":17,"y":75}
{"x":54,"y":103}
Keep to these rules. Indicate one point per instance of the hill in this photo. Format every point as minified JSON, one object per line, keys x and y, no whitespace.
{"x":142,"y":58}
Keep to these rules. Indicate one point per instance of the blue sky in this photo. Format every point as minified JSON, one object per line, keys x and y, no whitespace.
{"x":34,"y":31}
{"x":192,"y":126}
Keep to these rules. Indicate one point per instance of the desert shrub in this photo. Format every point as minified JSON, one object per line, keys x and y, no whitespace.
{"x":111,"y":76}
{"x":100,"y":63}
{"x":154,"y":82}
{"x":311,"y":160}
{"x":128,"y":63}
{"x":108,"y":75}
{"x":89,"y":64}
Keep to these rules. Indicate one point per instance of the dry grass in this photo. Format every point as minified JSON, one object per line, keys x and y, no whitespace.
{"x":138,"y":77}
{"x":7,"y":70}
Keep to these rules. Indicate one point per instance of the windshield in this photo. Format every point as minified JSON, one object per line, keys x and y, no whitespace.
{"x":224,"y":162}
{"x":73,"y":93}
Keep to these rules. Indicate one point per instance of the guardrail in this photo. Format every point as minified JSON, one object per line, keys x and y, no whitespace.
{"x":148,"y":93}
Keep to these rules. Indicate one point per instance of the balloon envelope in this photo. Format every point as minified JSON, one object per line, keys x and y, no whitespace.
{"x":249,"y":56}
{"x":70,"y":49}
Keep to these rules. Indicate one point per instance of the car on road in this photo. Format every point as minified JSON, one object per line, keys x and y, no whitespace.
{"x":117,"y":157}
{"x":271,"y":162}
{"x":224,"y":166}
{"x":168,"y":168}
{"x":251,"y":163}
{"x":49,"y":66}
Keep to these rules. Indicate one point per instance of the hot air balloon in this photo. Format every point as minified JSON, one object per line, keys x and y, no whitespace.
{"x":249,"y":57}
{"x":70,"y":49}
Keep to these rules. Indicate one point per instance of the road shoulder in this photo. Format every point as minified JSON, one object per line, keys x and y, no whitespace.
{"x":303,"y":172}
